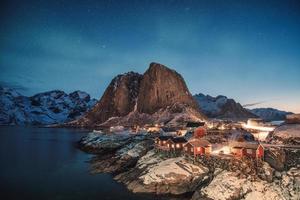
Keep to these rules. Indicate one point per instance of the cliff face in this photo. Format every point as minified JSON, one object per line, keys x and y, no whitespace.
{"x":158,"y":96}
{"x":162,"y":87}
{"x":118,"y":100}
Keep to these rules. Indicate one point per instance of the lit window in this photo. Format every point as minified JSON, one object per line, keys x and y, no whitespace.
{"x":164,"y":142}
{"x":249,"y":151}
{"x":198,"y":148}
{"x":192,"y":149}
{"x":172,"y":145}
{"x":177,"y":145}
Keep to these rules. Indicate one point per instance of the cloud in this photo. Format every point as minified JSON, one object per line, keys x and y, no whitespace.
{"x":260,"y":102}
{"x":13,"y":85}
{"x":254,"y":104}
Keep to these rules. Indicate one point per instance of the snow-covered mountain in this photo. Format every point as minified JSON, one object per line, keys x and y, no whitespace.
{"x":44,"y":108}
{"x":222,"y":107}
{"x":270,"y":114}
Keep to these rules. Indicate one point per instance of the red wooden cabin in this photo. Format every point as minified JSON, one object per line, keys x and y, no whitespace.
{"x":247,"y":149}
{"x":197,"y":147}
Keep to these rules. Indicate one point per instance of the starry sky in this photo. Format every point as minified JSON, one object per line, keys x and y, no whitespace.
{"x":246,"y":50}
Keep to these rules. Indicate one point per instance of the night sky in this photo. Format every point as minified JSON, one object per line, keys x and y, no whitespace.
{"x":247,"y":50}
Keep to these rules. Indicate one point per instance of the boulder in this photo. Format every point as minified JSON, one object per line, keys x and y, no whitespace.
{"x":291,"y":183}
{"x":285,"y":134}
{"x":267,"y":172}
{"x":276,"y":158}
{"x":227,"y":186}
{"x":154,"y":174}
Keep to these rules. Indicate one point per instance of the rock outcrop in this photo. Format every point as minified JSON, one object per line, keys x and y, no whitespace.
{"x":222,"y":107}
{"x":133,"y":162}
{"x":285,"y":134}
{"x":228,"y":186}
{"x":115,"y":153}
{"x":154,"y":174}
{"x":158,"y":96}
{"x":289,"y":135}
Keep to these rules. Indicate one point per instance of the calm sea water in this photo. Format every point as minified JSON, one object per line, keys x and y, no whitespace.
{"x":43,"y":163}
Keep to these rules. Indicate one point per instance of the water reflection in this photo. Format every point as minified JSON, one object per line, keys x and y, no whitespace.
{"x":42,"y":163}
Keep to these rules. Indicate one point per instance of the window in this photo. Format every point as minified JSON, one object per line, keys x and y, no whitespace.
{"x":192,"y":149}
{"x":173,"y":146}
{"x":198,"y":148}
{"x":164,"y":142}
{"x":249,"y":151}
{"x":185,"y":148}
{"x":177,"y":145}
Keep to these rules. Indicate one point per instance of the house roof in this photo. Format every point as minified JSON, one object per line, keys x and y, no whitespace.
{"x":247,"y":145}
{"x":169,"y":129}
{"x":199,"y":142}
{"x":164,"y":138}
{"x":194,"y":124}
{"x":178,"y":140}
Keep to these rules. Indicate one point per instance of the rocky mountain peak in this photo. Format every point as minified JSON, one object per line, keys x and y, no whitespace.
{"x":118,"y":100}
{"x":157,"y":67}
{"x":133,"y":98}
{"x":162,"y":87}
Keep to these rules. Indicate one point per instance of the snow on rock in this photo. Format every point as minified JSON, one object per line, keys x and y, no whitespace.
{"x":99,"y":142}
{"x":175,"y":115}
{"x":285,"y":134}
{"x":270,"y":114}
{"x":228,"y":186}
{"x":156,"y":174}
{"x":222,"y":107}
{"x":173,"y":170}
{"x":115,"y":153}
{"x":44,"y":108}
{"x":137,"y":150}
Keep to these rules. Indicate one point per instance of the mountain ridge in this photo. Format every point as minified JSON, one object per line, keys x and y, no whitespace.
{"x":222,"y":107}
{"x":43,"y":108}
{"x":270,"y":114}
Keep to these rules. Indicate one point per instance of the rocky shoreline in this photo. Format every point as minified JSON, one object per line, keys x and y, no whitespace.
{"x":133,"y":162}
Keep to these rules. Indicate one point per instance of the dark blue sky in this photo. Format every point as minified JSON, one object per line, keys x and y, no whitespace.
{"x":247,"y":50}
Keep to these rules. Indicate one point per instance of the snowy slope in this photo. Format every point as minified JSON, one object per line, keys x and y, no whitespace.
{"x":270,"y":114}
{"x":43,"y":108}
{"x":221,"y":107}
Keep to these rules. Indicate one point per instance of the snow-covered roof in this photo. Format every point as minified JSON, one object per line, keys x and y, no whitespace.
{"x":199,"y":142}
